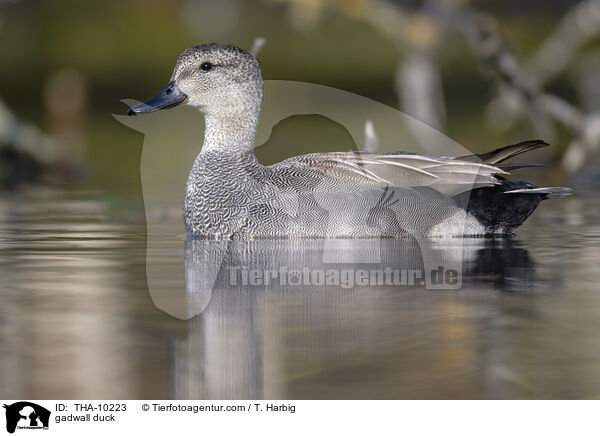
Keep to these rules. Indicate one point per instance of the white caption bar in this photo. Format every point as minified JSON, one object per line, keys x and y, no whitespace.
{"x":300,"y":417}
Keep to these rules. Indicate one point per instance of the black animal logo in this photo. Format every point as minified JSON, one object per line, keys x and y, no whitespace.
{"x":26,"y":414}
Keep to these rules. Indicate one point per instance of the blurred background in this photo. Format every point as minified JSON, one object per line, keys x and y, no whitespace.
{"x":485,"y":73}
{"x":76,"y":317}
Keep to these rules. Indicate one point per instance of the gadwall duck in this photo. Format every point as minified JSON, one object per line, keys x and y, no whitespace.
{"x":230,"y":195}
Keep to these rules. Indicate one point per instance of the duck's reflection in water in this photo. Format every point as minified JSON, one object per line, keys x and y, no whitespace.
{"x":501,"y":262}
{"x":256,"y":322}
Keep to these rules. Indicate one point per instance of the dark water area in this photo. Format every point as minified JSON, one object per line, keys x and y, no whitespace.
{"x":83,"y":316}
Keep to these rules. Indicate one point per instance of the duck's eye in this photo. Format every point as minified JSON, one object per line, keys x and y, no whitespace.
{"x":206,"y":66}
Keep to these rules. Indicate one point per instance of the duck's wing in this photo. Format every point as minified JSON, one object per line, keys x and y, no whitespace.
{"x":353,"y":171}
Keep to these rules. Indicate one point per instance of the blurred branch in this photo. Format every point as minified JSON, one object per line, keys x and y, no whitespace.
{"x":419,"y":87}
{"x":577,"y":26}
{"x":24,"y":150}
{"x":371,"y":138}
{"x":25,"y":137}
{"x":488,"y":44}
{"x":257,"y":46}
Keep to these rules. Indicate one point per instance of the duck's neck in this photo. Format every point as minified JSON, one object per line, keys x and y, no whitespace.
{"x":231,"y":118}
{"x":229,"y":133}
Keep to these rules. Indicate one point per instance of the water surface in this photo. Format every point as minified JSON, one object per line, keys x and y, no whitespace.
{"x":77,"y":319}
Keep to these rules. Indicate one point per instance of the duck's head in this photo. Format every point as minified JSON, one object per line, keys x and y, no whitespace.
{"x":215,"y":78}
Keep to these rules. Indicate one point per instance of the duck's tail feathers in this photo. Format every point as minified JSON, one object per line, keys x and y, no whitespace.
{"x":550,"y":192}
{"x":503,"y":153}
{"x":519,"y":165}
